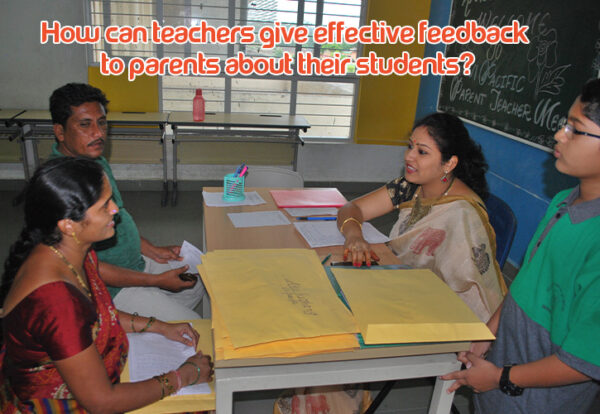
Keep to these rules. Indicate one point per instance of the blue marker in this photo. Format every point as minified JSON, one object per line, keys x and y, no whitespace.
{"x":332,"y":218}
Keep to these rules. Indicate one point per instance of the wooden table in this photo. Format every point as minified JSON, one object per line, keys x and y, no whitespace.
{"x":364,"y":365}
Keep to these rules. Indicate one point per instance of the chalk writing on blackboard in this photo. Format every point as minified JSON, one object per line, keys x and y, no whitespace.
{"x":524,"y":90}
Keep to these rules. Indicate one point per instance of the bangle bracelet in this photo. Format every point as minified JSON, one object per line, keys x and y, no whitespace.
{"x":178,"y":375}
{"x":132,"y":317}
{"x":150,"y":322}
{"x":162,"y":386}
{"x":164,"y":383}
{"x":347,"y":220}
{"x":197,"y":371}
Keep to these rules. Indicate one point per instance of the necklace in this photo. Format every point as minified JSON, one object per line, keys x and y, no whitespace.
{"x":75,"y":272}
{"x":419,"y":211}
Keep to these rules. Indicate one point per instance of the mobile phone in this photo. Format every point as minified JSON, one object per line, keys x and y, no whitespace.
{"x":187,"y":277}
{"x":373,"y":263}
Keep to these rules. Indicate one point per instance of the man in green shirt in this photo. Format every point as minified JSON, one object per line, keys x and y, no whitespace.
{"x":137,"y":272}
{"x":545,"y":357}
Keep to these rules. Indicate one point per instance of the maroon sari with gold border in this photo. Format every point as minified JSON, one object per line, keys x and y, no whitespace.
{"x":54,"y":322}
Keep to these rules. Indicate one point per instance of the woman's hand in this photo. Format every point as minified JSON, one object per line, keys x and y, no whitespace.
{"x":480,"y":375}
{"x":180,"y":332}
{"x":189,"y":369}
{"x":358,"y":250}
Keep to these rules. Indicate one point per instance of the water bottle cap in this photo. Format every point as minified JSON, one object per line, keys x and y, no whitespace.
{"x":198,"y":91}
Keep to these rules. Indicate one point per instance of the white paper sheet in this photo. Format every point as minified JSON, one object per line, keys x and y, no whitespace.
{"x":258,"y":219}
{"x":192,"y":256}
{"x":152,"y":354}
{"x":216,"y":200}
{"x":326,"y":233}
{"x":312,"y":211}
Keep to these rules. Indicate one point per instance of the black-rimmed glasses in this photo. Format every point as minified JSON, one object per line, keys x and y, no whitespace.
{"x":570,"y":130}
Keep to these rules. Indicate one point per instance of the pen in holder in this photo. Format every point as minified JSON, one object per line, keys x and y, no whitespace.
{"x":233,"y":188}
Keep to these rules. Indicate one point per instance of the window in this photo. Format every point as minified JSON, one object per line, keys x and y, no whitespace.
{"x":326,"y":102}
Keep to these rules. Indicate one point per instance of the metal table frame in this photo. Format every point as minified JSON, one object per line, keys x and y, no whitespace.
{"x":222,"y":127}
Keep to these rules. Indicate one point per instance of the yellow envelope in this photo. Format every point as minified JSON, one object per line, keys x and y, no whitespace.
{"x":274,"y":294}
{"x":280,"y":349}
{"x":402,"y":306}
{"x":184,"y":403}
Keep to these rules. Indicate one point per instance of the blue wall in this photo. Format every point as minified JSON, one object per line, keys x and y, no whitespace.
{"x":520,"y":174}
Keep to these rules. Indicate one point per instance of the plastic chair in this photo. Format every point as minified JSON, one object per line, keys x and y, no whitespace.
{"x":504,"y":222}
{"x":273,"y":177}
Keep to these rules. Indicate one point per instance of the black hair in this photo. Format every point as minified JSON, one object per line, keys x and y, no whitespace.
{"x":62,"y":188}
{"x":73,"y":94}
{"x":590,"y":98}
{"x":452,"y":138}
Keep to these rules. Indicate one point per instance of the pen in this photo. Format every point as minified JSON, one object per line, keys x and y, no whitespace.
{"x":317,"y":218}
{"x":325,"y":259}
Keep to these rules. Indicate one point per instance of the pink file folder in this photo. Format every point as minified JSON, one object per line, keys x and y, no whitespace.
{"x":310,"y":197}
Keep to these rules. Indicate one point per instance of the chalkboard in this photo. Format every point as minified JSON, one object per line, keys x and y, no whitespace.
{"x":524,"y":90}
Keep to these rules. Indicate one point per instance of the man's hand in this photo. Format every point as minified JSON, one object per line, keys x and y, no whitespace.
{"x":160,"y":254}
{"x":171,"y":281}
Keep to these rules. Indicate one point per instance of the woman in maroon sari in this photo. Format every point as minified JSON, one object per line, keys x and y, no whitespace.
{"x":63,"y":342}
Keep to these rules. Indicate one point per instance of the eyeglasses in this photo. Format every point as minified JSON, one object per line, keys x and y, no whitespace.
{"x":570,"y":130}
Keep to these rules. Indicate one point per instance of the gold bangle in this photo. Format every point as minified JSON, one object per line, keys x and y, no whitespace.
{"x":150,"y":322}
{"x":132,"y":317}
{"x":197,"y":370}
{"x":347,"y":220}
{"x":163,"y":380}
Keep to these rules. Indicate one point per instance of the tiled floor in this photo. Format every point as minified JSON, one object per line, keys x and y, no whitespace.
{"x":171,"y":225}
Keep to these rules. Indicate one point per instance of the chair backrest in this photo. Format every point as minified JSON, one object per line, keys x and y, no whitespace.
{"x":273,"y":177}
{"x":504,"y":222}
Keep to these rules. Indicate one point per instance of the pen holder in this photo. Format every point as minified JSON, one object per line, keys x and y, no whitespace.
{"x":233,"y":188}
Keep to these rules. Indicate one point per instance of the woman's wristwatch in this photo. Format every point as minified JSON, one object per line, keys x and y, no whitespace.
{"x":506,"y":386}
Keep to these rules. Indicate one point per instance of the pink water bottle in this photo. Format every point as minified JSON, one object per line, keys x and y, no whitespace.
{"x":198,"y":106}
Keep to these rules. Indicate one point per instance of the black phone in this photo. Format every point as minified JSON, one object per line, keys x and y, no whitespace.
{"x":373,"y":263}
{"x":187,"y":277}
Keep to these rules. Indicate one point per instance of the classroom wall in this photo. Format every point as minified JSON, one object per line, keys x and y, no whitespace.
{"x":30,"y":72}
{"x":520,"y":174}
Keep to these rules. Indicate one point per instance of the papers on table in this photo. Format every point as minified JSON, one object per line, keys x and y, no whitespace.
{"x":152,"y":354}
{"x":192,"y":256}
{"x":315,"y":211}
{"x":402,"y":306}
{"x":216,"y":200}
{"x":326,"y":233}
{"x":258,"y":219}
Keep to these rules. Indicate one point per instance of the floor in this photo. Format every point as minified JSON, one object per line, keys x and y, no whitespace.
{"x":171,"y":225}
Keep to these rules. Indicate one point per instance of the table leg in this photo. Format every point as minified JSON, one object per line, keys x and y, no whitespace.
{"x":223,"y":397}
{"x":165,"y":194}
{"x":441,"y":401}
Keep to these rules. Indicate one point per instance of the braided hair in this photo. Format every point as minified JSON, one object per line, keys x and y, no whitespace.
{"x":452,"y":138}
{"x":62,"y":188}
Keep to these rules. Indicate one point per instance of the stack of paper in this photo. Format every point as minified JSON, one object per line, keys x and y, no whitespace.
{"x":274,"y":303}
{"x":407,"y":306}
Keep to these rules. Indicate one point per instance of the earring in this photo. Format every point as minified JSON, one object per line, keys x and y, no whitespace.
{"x":445,"y":177}
{"x":75,"y":238}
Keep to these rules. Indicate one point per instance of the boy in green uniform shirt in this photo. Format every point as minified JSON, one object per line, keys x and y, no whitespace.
{"x":545,"y":357}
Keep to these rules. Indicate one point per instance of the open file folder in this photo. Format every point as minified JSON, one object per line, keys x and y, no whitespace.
{"x":407,"y":306}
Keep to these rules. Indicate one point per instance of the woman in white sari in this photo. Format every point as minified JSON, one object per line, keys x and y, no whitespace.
{"x":442,"y":223}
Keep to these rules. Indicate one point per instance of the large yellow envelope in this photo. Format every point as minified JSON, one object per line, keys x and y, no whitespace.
{"x":184,"y":403}
{"x":401,"y":306}
{"x":272,"y":295}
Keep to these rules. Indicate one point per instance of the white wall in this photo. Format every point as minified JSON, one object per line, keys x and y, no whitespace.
{"x":29,"y":72}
